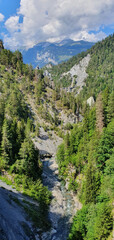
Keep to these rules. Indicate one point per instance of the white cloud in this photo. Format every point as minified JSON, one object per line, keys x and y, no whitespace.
{"x":56,"y":39}
{"x":46,"y":57}
{"x":12,"y":24}
{"x":1,"y":17}
{"x":51,"y":28}
{"x":48,"y":19}
{"x":90,"y":37}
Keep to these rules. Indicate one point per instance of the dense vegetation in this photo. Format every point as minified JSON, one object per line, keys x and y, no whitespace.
{"x":19,"y":159}
{"x":88,"y":150}
{"x":100,"y":69}
{"x":86,"y":155}
{"x":86,"y":158}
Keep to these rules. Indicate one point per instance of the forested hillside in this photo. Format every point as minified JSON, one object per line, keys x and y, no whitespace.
{"x":20,"y":163}
{"x":100,"y":68}
{"x":86,"y":158}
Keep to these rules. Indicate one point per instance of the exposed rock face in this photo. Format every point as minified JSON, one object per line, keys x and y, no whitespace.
{"x":49,"y":65}
{"x":13,"y":218}
{"x":71,"y":118}
{"x":47,"y":145}
{"x":90,"y":101}
{"x":47,"y":74}
{"x":78,"y":75}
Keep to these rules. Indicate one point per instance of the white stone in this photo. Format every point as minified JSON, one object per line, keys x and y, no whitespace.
{"x":90,"y":101}
{"x":78,"y":74}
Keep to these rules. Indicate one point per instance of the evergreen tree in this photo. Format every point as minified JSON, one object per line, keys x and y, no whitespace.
{"x":29,"y":159}
{"x":99,"y":113}
{"x":110,"y":107}
{"x":6,"y":145}
{"x":90,"y":184}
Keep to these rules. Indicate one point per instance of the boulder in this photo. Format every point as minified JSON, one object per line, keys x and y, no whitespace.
{"x":90,"y":101}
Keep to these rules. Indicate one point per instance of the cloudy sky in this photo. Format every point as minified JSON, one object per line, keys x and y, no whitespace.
{"x":24,"y":23}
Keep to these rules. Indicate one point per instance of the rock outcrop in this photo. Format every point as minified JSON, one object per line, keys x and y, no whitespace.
{"x":90,"y":101}
{"x":78,"y":75}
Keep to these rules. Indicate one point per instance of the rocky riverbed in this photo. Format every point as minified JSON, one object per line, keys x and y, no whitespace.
{"x":64,"y":204}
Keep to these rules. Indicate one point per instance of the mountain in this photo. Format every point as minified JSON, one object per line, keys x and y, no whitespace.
{"x":91,"y":70}
{"x":45,"y":52}
{"x":38,"y":113}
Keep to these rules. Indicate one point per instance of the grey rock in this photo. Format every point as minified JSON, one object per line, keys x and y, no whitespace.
{"x":90,"y":101}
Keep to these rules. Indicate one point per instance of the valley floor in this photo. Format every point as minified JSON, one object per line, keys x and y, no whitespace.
{"x":62,"y":208}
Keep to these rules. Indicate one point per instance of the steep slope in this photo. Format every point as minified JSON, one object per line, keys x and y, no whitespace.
{"x":78,"y":75}
{"x":24,"y":100}
{"x":36,"y":112}
{"x":64,"y":204}
{"x":86,"y":156}
{"x":99,"y":69}
{"x":14,"y":222}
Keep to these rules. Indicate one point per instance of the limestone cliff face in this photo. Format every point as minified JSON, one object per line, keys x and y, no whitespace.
{"x":78,"y":75}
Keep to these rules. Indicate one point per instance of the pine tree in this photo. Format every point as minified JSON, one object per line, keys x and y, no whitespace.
{"x":110,"y":107}
{"x":6,"y":144}
{"x":90,"y":184}
{"x":29,"y":159}
{"x":99,"y":113}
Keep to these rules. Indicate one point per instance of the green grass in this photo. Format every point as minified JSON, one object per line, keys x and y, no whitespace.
{"x":6,"y":180}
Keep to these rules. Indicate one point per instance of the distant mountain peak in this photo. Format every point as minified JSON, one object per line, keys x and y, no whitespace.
{"x":57,"y":52}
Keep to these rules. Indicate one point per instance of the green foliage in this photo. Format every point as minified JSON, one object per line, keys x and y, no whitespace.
{"x":68,"y":126}
{"x":105,"y":146}
{"x":6,"y":144}
{"x":57,"y":70}
{"x":1,"y":44}
{"x":15,"y":106}
{"x":28,"y":162}
{"x":78,"y":230}
{"x":2,"y":107}
{"x":91,"y":184}
{"x":18,"y":155}
{"x":90,"y":152}
{"x":101,"y":224}
{"x":110,"y":107}
{"x":92,"y":222}
{"x":84,"y":149}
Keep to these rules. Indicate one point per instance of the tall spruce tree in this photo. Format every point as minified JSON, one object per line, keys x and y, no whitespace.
{"x":6,"y":145}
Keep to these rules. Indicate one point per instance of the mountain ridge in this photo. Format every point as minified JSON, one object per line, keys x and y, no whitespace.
{"x":46,"y":52}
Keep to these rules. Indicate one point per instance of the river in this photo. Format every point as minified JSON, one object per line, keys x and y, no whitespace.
{"x":63,"y":205}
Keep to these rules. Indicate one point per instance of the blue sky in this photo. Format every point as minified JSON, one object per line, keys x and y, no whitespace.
{"x":23,"y":23}
{"x":8,"y":9}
